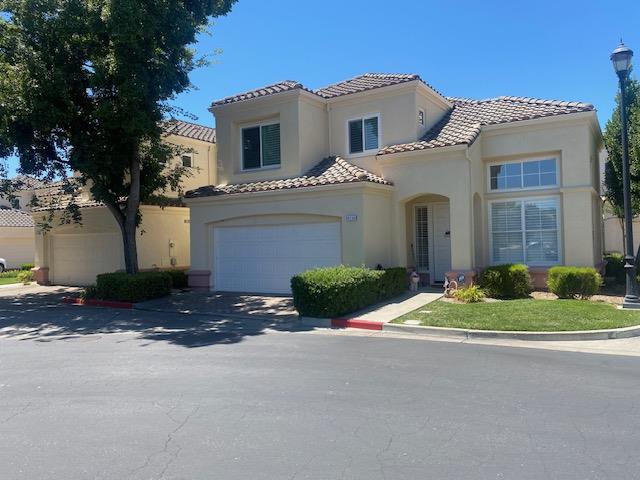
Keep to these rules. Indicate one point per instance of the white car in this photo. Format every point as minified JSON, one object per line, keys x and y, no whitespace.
{"x":3,"y":265}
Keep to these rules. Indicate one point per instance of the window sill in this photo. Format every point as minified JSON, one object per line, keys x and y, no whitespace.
{"x":366,"y":153}
{"x":260,"y":169}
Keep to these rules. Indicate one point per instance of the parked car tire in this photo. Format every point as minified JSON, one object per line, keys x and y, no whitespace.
{"x":1,"y":268}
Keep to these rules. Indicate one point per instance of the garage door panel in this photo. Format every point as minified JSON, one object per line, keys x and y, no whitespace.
{"x":77,"y":259}
{"x":264,"y":258}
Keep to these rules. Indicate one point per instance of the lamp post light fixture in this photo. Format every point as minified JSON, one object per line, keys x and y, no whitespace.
{"x":621,"y":59}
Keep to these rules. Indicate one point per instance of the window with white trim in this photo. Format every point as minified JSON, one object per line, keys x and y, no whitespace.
{"x":523,"y":175}
{"x":363,"y":134}
{"x":525,"y":231}
{"x":421,"y":118}
{"x":187,"y":160}
{"x":261,"y":146}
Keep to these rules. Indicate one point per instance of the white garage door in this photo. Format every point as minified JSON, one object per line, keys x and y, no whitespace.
{"x":77,"y":259}
{"x":264,"y":258}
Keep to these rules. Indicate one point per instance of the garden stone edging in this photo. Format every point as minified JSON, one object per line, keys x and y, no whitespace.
{"x":609,"y":334}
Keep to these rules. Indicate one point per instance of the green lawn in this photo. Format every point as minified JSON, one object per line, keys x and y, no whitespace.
{"x":9,"y":280}
{"x":524,"y":315}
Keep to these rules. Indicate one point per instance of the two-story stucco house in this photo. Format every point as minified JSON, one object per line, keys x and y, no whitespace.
{"x":383,"y":169}
{"x":73,"y":254}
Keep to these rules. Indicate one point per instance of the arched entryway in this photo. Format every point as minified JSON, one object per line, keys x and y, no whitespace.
{"x":428,"y":236}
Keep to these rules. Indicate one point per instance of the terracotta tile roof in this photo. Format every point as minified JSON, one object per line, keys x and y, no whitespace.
{"x":362,"y":83}
{"x":25,"y":182}
{"x":279,"y":87}
{"x":190,"y":130}
{"x":331,"y":171}
{"x":10,"y":217}
{"x":463,"y":123}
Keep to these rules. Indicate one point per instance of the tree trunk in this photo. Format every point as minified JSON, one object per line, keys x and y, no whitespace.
{"x":127,"y":220}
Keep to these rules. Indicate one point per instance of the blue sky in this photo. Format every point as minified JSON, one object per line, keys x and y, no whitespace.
{"x":548,"y":49}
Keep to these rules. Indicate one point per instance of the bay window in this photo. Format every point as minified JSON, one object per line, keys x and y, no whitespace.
{"x":525,"y":231}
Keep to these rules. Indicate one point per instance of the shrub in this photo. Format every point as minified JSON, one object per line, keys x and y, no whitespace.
{"x":615,"y":266}
{"x":470,"y":294}
{"x":573,"y":282}
{"x":506,"y":281}
{"x":178,"y":278}
{"x":9,"y":274}
{"x":91,"y":291}
{"x":26,"y":266}
{"x":137,"y":287}
{"x":25,"y":276}
{"x":334,"y":291}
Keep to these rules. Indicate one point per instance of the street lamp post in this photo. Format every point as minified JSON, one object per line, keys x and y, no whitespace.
{"x":621,"y":59}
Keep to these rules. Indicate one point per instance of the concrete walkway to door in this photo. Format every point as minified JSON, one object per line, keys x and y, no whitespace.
{"x":227,"y":304}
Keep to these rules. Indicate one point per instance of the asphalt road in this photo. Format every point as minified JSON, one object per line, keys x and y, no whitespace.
{"x":167,"y":398}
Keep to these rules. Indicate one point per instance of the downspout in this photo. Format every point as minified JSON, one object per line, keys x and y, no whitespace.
{"x":474,"y":260}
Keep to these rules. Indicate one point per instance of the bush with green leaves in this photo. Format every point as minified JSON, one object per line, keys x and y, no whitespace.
{"x":573,"y":282}
{"x":136,"y":287}
{"x":26,"y":266}
{"x":9,"y":274}
{"x":334,"y":291}
{"x":25,"y":276}
{"x":615,"y":266}
{"x":470,"y":294}
{"x":179,"y":278}
{"x":506,"y":281}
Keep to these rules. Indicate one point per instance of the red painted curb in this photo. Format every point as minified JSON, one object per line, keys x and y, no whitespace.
{"x":355,"y":323}
{"x":97,"y":303}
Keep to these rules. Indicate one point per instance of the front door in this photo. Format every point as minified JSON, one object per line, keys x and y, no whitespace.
{"x":441,"y":241}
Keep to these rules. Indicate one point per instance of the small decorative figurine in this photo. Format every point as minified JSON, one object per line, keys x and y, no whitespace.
{"x":415,"y":281}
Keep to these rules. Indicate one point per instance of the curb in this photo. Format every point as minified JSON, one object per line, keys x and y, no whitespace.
{"x":341,"y":323}
{"x":98,"y":303}
{"x":626,"y":332}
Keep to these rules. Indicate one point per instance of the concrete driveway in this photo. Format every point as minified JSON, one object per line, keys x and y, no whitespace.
{"x":269,"y":307}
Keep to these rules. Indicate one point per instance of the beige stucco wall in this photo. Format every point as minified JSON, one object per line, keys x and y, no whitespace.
{"x":203,"y":171}
{"x":445,"y":173}
{"x":574,"y":143}
{"x":364,"y":241}
{"x":100,"y":246}
{"x":17,"y":245}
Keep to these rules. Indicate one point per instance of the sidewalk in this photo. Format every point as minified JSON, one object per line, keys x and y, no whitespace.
{"x":375,"y":316}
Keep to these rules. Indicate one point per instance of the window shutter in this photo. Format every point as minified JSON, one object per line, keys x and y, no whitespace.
{"x":355,"y":136}
{"x":251,"y":148}
{"x":371,"y":133}
{"x":271,"y":144}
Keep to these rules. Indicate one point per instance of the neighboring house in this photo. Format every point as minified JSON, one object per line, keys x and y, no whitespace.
{"x":17,"y":244}
{"x":73,"y":254}
{"x":382,"y":169}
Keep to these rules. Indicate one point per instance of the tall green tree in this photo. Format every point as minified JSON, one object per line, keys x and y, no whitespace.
{"x":613,"y":143}
{"x":85,"y":85}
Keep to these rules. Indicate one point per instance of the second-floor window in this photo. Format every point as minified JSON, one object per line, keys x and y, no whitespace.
{"x":187,"y":160}
{"x":261,"y":146}
{"x":363,"y":134}
{"x":523,"y":175}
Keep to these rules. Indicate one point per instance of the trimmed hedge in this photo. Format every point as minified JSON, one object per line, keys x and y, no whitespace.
{"x":506,"y":281}
{"x":137,"y":287}
{"x":573,"y":282}
{"x":334,"y":291}
{"x":26,"y":266}
{"x":178,"y":278}
{"x":615,"y":266}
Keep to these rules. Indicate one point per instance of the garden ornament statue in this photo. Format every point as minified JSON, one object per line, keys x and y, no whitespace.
{"x":415,"y":281}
